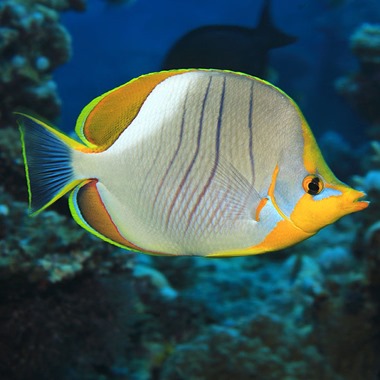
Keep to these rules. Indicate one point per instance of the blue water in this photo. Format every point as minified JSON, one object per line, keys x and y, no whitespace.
{"x":112,"y":44}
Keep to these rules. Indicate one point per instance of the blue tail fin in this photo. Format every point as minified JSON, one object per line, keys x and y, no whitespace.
{"x":47,"y":158}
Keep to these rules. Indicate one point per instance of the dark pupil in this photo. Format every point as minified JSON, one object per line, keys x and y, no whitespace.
{"x":313,"y":186}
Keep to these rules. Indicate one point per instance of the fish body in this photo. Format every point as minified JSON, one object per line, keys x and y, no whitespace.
{"x":189,"y":162}
{"x":229,"y":47}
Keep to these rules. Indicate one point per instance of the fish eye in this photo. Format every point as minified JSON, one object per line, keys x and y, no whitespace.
{"x":312,"y":184}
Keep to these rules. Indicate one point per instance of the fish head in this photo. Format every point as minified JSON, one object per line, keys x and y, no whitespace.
{"x":305,"y":191}
{"x":322,"y":198}
{"x":324,"y":202}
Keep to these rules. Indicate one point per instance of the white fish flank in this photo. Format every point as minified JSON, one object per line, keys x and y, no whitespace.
{"x":186,"y":176}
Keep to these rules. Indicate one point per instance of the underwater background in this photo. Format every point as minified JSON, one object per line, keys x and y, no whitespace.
{"x":73,"y":307}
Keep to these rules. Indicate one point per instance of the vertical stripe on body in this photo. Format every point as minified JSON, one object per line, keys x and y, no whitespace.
{"x":216,"y":160}
{"x":250,"y":151}
{"x":190,"y":167}
{"x":250,"y":114}
{"x":153,"y":164}
{"x":180,"y":140}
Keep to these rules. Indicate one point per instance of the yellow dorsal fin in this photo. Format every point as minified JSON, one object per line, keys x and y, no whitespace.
{"x":102,"y":121}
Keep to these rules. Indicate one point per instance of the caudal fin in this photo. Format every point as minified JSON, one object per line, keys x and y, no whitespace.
{"x":47,"y":158}
{"x":271,"y":36}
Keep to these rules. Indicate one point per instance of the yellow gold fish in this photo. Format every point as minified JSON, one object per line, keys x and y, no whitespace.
{"x":189,"y":162}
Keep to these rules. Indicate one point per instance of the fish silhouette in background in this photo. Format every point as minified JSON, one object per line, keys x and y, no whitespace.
{"x":229,"y":47}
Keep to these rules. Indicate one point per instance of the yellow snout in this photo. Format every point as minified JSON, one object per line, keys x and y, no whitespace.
{"x":311,"y":214}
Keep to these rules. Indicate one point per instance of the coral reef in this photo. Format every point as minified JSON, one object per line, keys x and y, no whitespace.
{"x":226,"y":352}
{"x":62,"y":251}
{"x":362,"y":89}
{"x":68,"y":331}
{"x":12,"y":173}
{"x":370,"y":183}
{"x":32,"y":44}
{"x":369,"y":231}
{"x":365,"y":44}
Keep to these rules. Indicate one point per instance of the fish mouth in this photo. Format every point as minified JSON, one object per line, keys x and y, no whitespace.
{"x":360,"y":202}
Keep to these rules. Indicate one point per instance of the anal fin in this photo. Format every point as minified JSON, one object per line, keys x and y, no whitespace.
{"x":90,"y":213}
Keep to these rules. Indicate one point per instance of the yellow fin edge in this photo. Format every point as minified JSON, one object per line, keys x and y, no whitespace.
{"x":73,"y":206}
{"x":129,"y":97}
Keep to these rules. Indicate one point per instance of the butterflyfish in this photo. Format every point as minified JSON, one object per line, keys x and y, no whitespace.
{"x":189,"y":162}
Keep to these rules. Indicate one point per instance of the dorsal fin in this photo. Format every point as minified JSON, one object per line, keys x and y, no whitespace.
{"x":270,"y":35}
{"x":107,"y":116}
